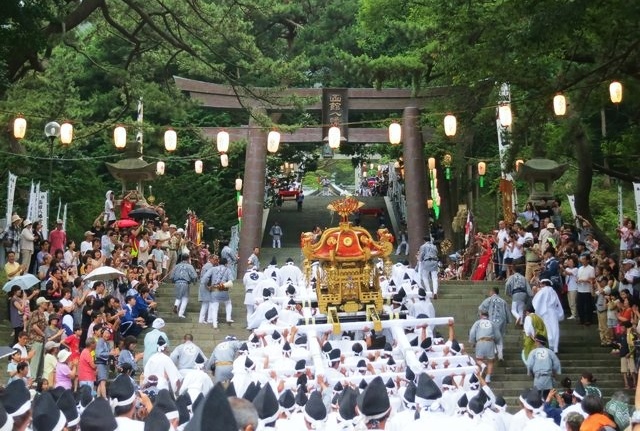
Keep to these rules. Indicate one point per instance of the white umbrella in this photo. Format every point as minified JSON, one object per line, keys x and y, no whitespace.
{"x":104,"y":273}
{"x":25,"y":282}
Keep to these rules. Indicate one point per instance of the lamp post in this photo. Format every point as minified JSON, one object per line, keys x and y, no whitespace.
{"x":51,"y":131}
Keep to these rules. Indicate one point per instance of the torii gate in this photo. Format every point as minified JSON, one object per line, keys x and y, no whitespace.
{"x":352,"y":99}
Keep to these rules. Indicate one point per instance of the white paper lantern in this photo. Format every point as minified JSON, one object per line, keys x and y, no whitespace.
{"x":615,"y":92}
{"x":198,"y":166}
{"x":238,"y":184}
{"x":160,"y":168}
{"x":170,"y":140}
{"x":504,"y":115}
{"x":19,"y":127}
{"x":222,"y":142}
{"x":334,"y":137}
{"x":120,"y":137}
{"x":450,"y":125}
{"x":224,"y":160}
{"x":395,"y":133}
{"x":66,"y":133}
{"x":559,"y":105}
{"x":273,"y":141}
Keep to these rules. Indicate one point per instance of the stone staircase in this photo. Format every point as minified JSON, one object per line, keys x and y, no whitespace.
{"x":579,"y":346}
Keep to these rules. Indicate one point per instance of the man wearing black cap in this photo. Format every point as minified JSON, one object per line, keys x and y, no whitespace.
{"x":543,"y":365}
{"x":272,"y":271}
{"x":162,"y":366}
{"x":374,"y":406}
{"x":124,"y":400}
{"x":196,"y":380}
{"x":428,"y":262}
{"x":250,"y":280}
{"x":290,"y":272}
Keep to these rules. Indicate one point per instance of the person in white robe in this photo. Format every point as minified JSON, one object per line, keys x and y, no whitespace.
{"x":548,"y":307}
{"x":161,"y":365}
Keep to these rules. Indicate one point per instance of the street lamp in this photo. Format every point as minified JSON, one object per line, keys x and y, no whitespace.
{"x":51,"y":131}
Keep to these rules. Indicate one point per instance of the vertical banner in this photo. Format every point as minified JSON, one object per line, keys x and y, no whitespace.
{"x":42,"y":212}
{"x":64,"y":218}
{"x":59,"y":208}
{"x":140,"y":121}
{"x":468,"y":228}
{"x":11,"y":190}
{"x":32,"y":203}
{"x":620,"y":207}
{"x":636,"y":193}
{"x":572,"y":204}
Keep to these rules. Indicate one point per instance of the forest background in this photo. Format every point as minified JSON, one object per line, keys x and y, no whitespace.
{"x":90,"y":61}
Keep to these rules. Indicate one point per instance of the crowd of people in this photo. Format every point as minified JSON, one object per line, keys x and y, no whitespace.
{"x":73,"y":334}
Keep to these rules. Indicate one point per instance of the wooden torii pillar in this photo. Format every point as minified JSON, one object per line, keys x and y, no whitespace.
{"x":359,"y":99}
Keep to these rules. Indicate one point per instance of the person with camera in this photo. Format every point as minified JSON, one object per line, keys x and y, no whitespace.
{"x":218,"y":281}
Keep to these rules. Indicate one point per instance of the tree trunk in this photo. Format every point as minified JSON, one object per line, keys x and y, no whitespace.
{"x":583,"y":186}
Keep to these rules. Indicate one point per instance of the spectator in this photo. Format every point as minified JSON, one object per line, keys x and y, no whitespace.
{"x":26,"y":244}
{"x":50,"y":362}
{"x":65,"y":373}
{"x":128,"y":354}
{"x":58,"y":237}
{"x":87,"y":366}
{"x":594,"y":407}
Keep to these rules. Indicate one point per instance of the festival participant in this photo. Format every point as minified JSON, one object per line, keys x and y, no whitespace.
{"x":273,"y":271}
{"x":185,"y":354}
{"x":484,"y":335}
{"x":218,"y":280}
{"x":519,"y":290}
{"x":221,"y":360}
{"x":123,"y":396}
{"x":543,"y":365}
{"x":585,"y":279}
{"x":151,"y":339}
{"x":533,"y":324}
{"x":276,"y":235}
{"x":290,"y":272}
{"x":548,"y":307}
{"x":231,"y":256}
{"x":428,"y":261}
{"x":109,"y":208}
{"x":159,"y":364}
{"x":183,"y":275}
{"x":254,"y":259}
{"x":498,"y":311}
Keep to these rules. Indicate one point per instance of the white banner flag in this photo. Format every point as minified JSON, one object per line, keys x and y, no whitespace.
{"x":64,"y":218}
{"x":32,"y":203}
{"x":636,"y":193}
{"x":572,"y":204}
{"x":59,"y":208}
{"x":42,"y":213}
{"x":11,"y":191}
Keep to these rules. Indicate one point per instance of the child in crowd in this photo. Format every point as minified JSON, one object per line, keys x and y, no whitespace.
{"x":12,"y":368}
{"x":602,"y":290}
{"x":613,"y":300}
{"x":72,"y":342}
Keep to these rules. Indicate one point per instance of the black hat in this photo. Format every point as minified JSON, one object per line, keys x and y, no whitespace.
{"x":476,"y":403}
{"x":56,"y":393}
{"x":357,"y":348}
{"x":287,"y":400}
{"x":314,"y":410}
{"x":286,"y":347}
{"x":6,"y":421}
{"x":213,"y":413}
{"x":271,"y":314}
{"x":302,"y":380}
{"x":531,"y":399}
{"x":447,"y":381}
{"x":16,"y":398}
{"x":291,"y":290}
{"x":409,"y":396}
{"x":373,"y":402}
{"x":156,"y":420}
{"x":121,"y":390}
{"x":67,"y":404}
{"x":363,"y":385}
{"x":273,"y":261}
{"x":463,"y":401}
{"x":390,"y":384}
{"x":427,"y":391}
{"x":378,"y":341}
{"x":301,"y":396}
{"x":231,"y":390}
{"x":248,"y":363}
{"x":183,"y":402}
{"x":406,"y":277}
{"x":98,"y":417}
{"x":292,"y":302}
{"x":255,"y":340}
{"x":289,"y":260}
{"x":361,"y":365}
{"x":579,"y":391}
{"x":424,"y":359}
{"x":500,"y":401}
{"x":326,"y":347}
{"x":83,"y":397}
{"x":473,"y":380}
{"x":200,"y":359}
{"x":251,"y":392}
{"x":422,"y":293}
{"x":266,"y":293}
{"x":391,"y":362}
{"x":166,"y":404}
{"x":46,"y":414}
{"x":275,"y":335}
{"x":338,"y":387}
{"x":409,"y":374}
{"x":243,"y":348}
{"x":455,"y":346}
{"x":199,"y":399}
{"x":388,"y":347}
{"x":161,"y":343}
{"x":301,"y":364}
{"x":334,"y":355}
{"x":414,"y":342}
{"x":266,"y":404}
{"x":302,"y":339}
{"x":426,"y":343}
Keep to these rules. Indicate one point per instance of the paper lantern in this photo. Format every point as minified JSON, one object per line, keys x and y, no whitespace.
{"x":238,"y":184}
{"x":334,"y":137}
{"x":431,"y":163}
{"x":519,"y":163}
{"x":429,"y":203}
{"x":395,"y":133}
{"x":170,"y":140}
{"x":198,"y":166}
{"x":504,"y":115}
{"x":559,"y":105}
{"x":240,"y":201}
{"x":222,"y":141}
{"x":66,"y":133}
{"x":19,"y":127}
{"x":224,"y":160}
{"x":450,"y":125}
{"x":120,"y":137}
{"x":482,"y":169}
{"x":615,"y":92}
{"x":160,"y":168}
{"x":273,"y":141}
